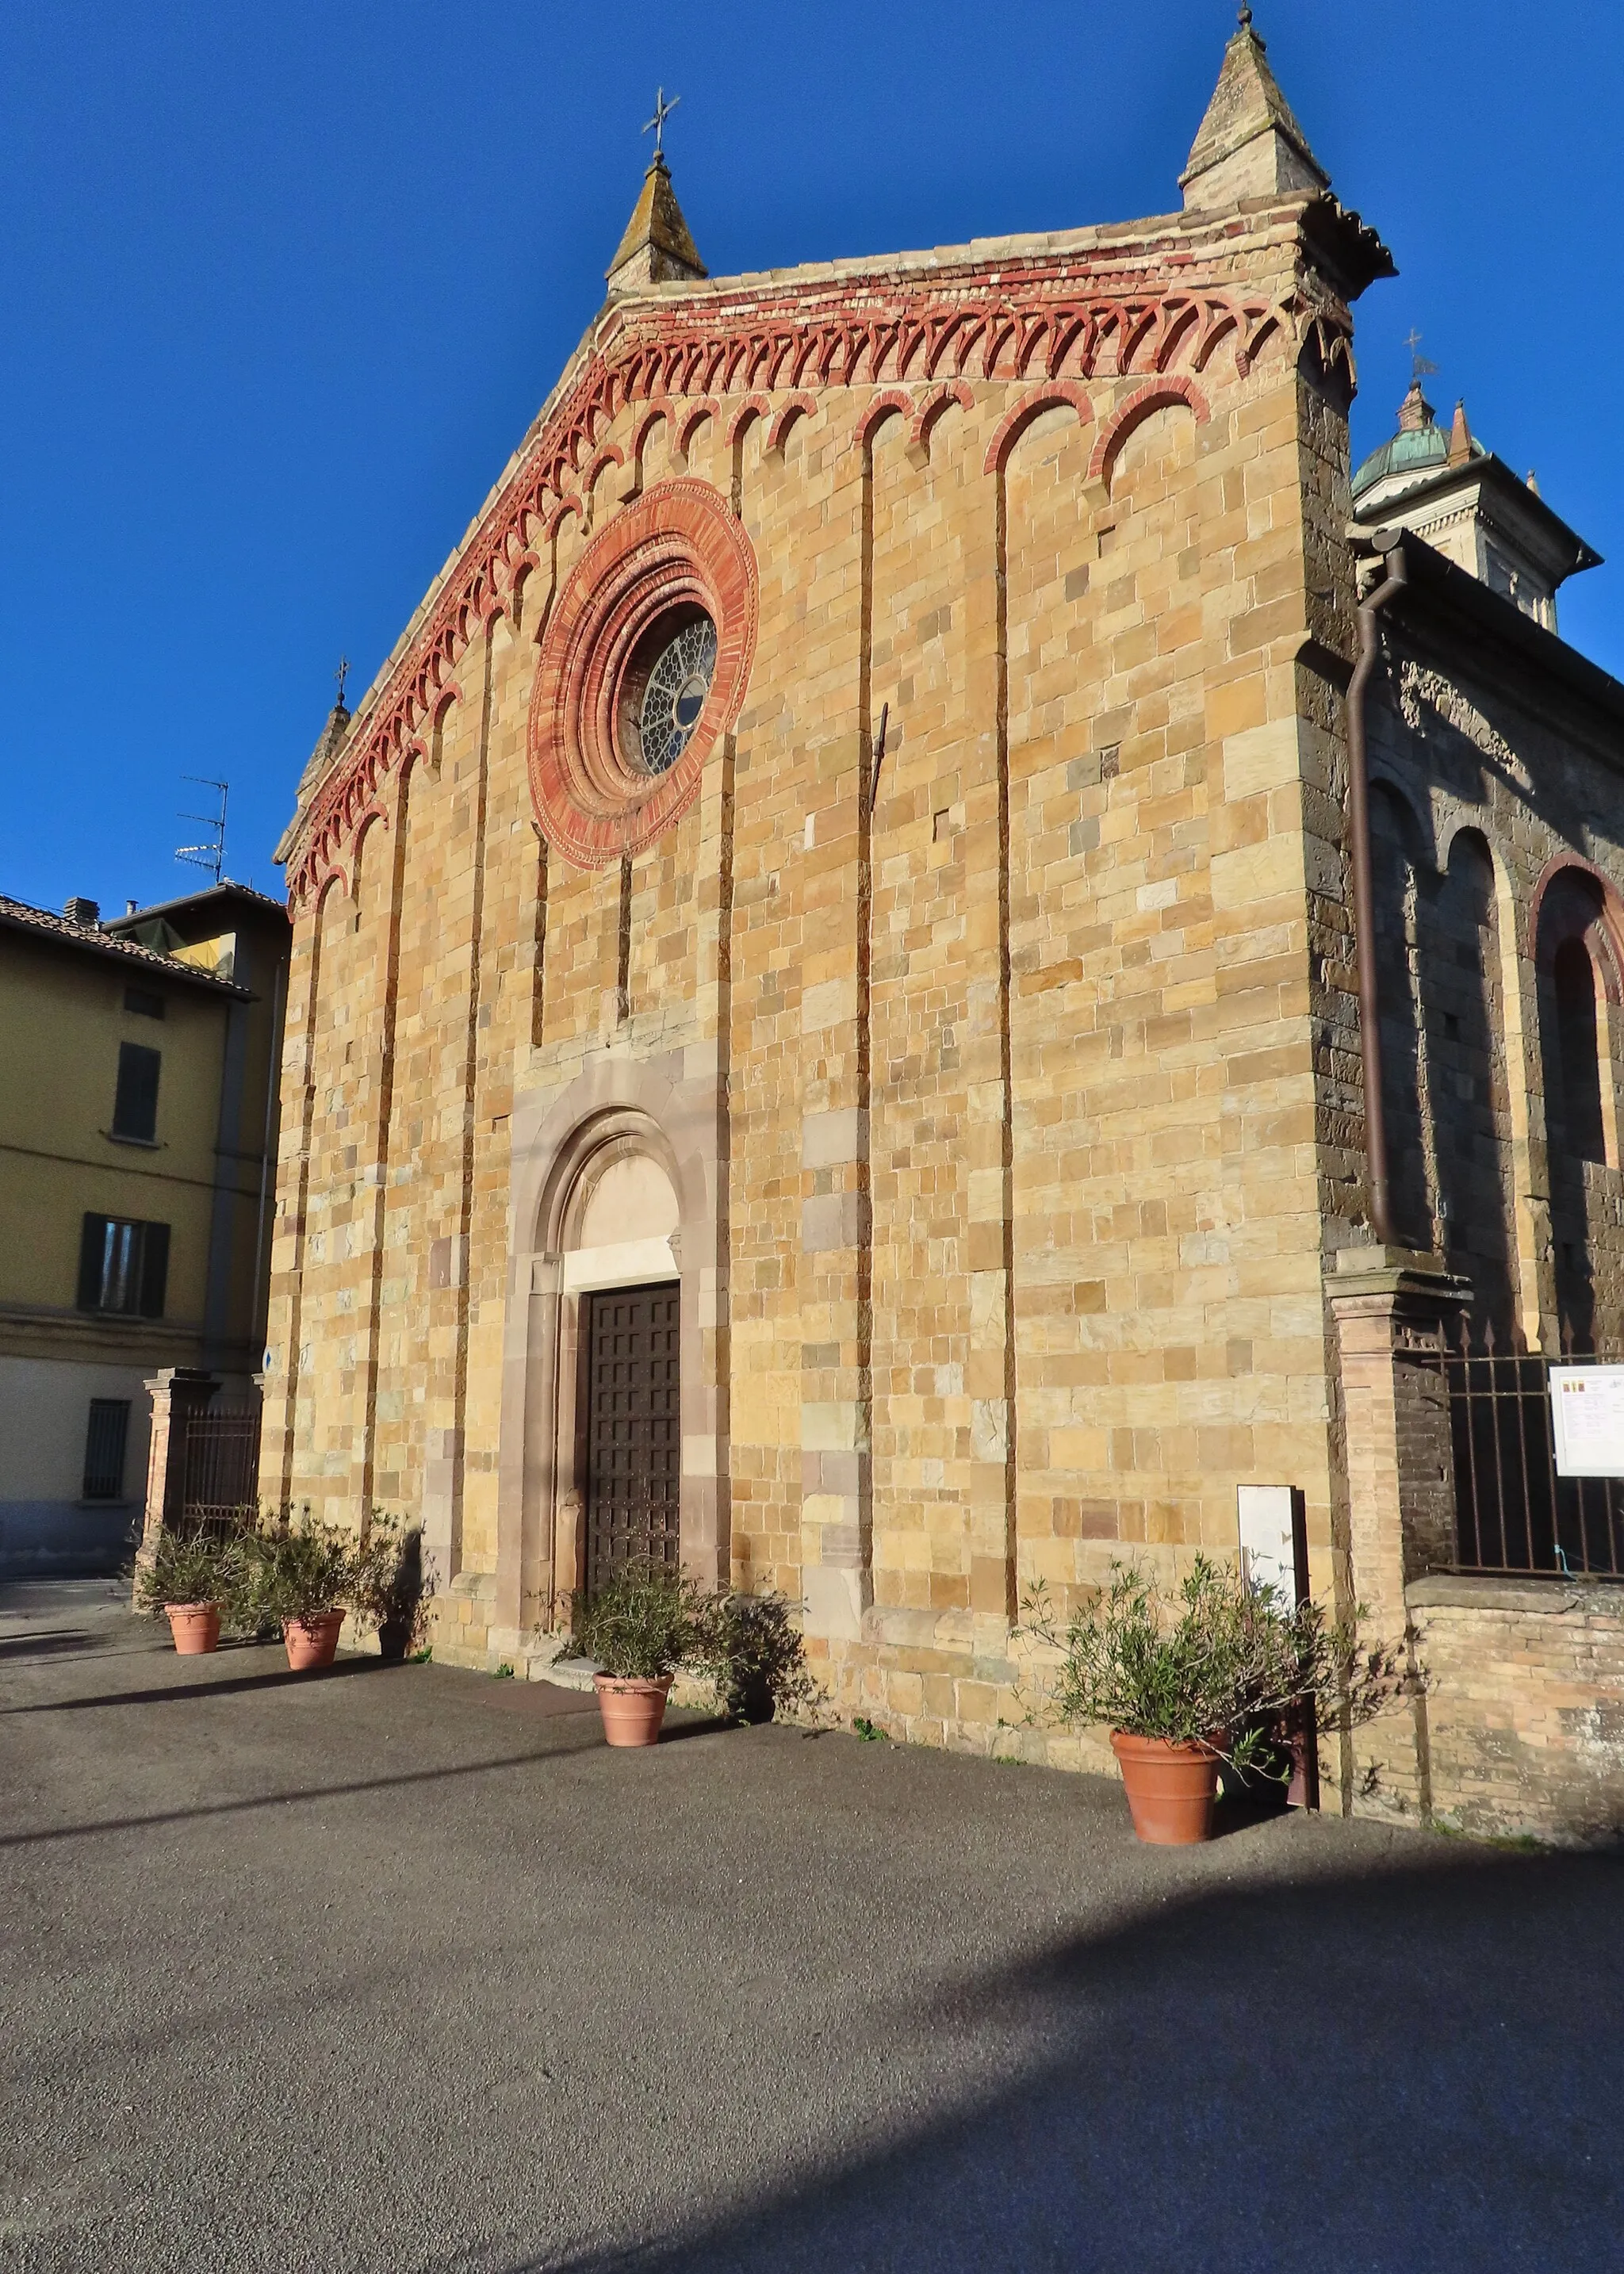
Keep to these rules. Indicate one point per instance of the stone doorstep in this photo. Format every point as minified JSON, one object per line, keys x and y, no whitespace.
{"x":548,"y":1659}
{"x":546,"y":1665}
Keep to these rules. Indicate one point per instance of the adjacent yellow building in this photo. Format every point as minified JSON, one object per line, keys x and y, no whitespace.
{"x":137,"y":1122}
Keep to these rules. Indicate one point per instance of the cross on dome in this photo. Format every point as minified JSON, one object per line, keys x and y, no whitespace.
{"x":1419,"y":366}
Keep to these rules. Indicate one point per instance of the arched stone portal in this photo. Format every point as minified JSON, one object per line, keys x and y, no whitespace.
{"x":615,"y":1258}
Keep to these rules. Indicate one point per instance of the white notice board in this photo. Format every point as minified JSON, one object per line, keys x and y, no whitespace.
{"x":1267,"y":1515}
{"x":1587,"y":1420}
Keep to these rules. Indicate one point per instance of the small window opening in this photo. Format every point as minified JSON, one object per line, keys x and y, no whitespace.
{"x":105,"y":1442}
{"x":124,"y":1267}
{"x":1574,"y":975}
{"x":135,"y":1101}
{"x":143,"y":1003}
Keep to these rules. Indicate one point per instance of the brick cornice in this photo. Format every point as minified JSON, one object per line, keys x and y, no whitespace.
{"x":1116,"y":305}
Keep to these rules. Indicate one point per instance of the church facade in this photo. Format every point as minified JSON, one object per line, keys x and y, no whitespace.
{"x":825,"y":1034}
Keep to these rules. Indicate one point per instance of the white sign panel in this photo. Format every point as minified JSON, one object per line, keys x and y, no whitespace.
{"x":1268,"y":1554}
{"x":1587,"y":1420}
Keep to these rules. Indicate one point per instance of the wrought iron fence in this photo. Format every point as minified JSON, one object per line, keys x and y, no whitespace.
{"x":222,"y":1467}
{"x":1514,"y":1513}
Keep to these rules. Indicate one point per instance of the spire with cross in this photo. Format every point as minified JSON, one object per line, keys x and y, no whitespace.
{"x":340,"y":676}
{"x":657,"y":248}
{"x":656,"y":124}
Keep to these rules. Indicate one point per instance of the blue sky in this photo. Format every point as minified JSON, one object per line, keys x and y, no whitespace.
{"x":284,"y":286}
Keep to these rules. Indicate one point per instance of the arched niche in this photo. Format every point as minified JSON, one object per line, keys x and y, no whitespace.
{"x":1577,"y":966}
{"x":619,"y":1215}
{"x":1578,"y":982}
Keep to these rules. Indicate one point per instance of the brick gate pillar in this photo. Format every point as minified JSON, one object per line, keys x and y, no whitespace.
{"x":1391,"y":1306}
{"x":177,"y":1393}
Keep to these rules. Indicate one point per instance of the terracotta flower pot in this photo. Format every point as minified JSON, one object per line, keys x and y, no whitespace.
{"x":1170,"y":1789}
{"x":195,"y":1627}
{"x":632,"y":1711}
{"x":313,"y":1641}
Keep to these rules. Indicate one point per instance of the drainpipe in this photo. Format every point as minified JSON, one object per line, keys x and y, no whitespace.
{"x":273,"y":1073}
{"x":1389,"y":544}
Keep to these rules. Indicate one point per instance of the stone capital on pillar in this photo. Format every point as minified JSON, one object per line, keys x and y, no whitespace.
{"x":177,"y":1393}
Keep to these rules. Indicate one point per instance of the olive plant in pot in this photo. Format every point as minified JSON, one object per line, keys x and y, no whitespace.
{"x":300,"y":1577}
{"x":639,"y":1625}
{"x":195,"y":1578}
{"x":1204,"y":1674}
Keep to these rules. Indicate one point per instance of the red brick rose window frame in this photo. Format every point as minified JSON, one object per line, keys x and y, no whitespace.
{"x":673,"y":555}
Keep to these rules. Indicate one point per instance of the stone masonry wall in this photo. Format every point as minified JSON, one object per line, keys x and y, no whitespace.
{"x":1499,"y":813}
{"x":1524,"y":1708}
{"x":1027,"y":1130}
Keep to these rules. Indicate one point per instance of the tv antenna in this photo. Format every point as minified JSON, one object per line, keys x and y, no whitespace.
{"x":211,"y":854}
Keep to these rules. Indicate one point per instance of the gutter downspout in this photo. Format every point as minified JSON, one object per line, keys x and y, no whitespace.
{"x":273,"y":1098}
{"x":1389,"y":544}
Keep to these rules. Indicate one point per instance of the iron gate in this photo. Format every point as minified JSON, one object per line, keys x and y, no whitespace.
{"x":1513,"y":1512}
{"x":633,"y":1430}
{"x":222,"y":1467}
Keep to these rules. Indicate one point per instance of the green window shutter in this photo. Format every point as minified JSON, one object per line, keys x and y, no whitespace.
{"x":91,"y":1249}
{"x":135,"y":1103}
{"x":155,"y":1269}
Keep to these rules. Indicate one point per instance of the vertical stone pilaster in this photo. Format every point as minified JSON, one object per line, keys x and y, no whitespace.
{"x":1390,"y":1305}
{"x":177,"y":1393}
{"x":1534,"y":1257}
{"x":442,"y":1465}
{"x":836,"y":1561}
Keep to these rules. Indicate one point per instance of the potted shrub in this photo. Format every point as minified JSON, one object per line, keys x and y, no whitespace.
{"x":753,"y":1651}
{"x":386,"y":1585}
{"x":639,"y":1625}
{"x":1207,"y":1674}
{"x":300,"y":1578}
{"x":194,"y":1578}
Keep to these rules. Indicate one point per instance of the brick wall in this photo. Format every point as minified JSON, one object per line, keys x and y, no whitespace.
{"x":1524,"y":1706}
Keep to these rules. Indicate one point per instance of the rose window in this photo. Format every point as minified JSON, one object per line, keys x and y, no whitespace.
{"x":643,"y":662}
{"x":666,"y":683}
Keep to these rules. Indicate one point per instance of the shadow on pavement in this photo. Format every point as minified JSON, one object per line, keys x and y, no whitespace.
{"x":47,"y":1645}
{"x":704,"y":1725}
{"x":1416,"y":2069}
{"x":203,"y":1687}
{"x":298,"y":1798}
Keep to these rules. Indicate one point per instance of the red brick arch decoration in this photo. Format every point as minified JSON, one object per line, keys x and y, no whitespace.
{"x":1062,"y":318}
{"x":1015,"y":424}
{"x":1156,"y":395}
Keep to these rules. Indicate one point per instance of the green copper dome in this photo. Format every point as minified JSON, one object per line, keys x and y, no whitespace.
{"x":1420,"y":444}
{"x":1410,"y":451}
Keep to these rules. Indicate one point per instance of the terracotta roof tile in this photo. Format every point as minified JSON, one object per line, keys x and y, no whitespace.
{"x":16,"y":915}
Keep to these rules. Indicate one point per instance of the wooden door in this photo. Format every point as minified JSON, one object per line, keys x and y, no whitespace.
{"x":633,"y":1430}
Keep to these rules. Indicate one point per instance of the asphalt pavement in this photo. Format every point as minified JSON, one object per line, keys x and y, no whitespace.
{"x":400,"y":1968}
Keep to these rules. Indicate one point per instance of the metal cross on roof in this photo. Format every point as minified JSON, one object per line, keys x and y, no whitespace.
{"x":341,"y":674}
{"x":662,"y":111}
{"x":1418,"y":361}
